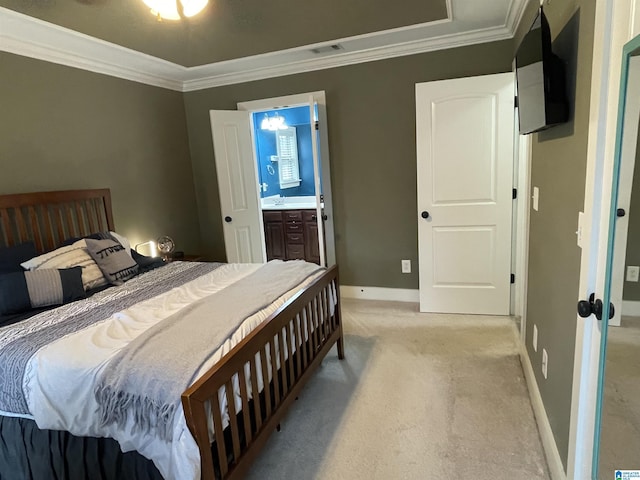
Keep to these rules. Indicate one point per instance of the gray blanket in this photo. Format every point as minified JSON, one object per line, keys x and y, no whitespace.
{"x":144,"y":381}
{"x":19,"y":342}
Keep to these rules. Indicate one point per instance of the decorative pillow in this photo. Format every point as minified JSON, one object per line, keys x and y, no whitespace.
{"x":12,"y":257}
{"x":95,"y":236}
{"x":75,"y":255}
{"x":22,"y":291}
{"x":122,"y":240}
{"x":114,"y":261}
{"x":146,"y":264}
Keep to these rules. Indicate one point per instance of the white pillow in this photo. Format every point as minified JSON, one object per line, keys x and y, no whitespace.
{"x":122,"y":240}
{"x":67,"y":257}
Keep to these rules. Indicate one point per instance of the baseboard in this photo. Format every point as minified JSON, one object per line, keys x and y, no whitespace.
{"x":631,"y":308}
{"x":380,"y":293}
{"x":556,"y":469}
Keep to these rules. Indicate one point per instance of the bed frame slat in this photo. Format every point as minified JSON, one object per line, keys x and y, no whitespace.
{"x":275,"y":373}
{"x":244,"y":395}
{"x":219,"y":434}
{"x":265,"y":380}
{"x":304,"y":340}
{"x":6,"y":227}
{"x":290,"y":352}
{"x":283,"y":368}
{"x":233,"y":419}
{"x":257,"y":409}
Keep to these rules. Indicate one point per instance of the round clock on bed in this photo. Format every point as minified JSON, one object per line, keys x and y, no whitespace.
{"x":166,"y":246}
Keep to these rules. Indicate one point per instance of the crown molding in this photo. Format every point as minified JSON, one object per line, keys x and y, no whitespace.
{"x":213,"y":75}
{"x":34,"y":38}
{"x":517,"y":9}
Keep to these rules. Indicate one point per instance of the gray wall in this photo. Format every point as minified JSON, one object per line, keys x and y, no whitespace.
{"x":558,"y":170}
{"x":63,"y":128}
{"x":371,"y":119}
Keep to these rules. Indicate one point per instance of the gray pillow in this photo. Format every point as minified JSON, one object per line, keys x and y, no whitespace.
{"x":114,"y":261}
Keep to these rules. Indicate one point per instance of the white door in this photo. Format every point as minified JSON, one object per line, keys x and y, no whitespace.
{"x":464,"y":134}
{"x":238,"y":186}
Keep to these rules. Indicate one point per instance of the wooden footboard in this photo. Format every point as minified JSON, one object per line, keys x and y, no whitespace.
{"x":300,"y":333}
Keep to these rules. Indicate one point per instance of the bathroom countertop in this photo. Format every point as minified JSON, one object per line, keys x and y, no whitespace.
{"x":288,"y":203}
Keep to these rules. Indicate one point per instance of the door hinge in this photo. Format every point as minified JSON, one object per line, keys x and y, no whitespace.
{"x":514,"y":193}
{"x":513,"y":278}
{"x":317,"y":125}
{"x":515,"y":102}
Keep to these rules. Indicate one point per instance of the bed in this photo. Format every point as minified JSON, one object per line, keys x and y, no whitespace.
{"x":238,"y":394}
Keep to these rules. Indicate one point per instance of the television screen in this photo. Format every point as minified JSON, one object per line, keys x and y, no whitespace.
{"x":541,"y":83}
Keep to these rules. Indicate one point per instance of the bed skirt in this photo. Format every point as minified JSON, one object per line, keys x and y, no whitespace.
{"x":28,"y":453}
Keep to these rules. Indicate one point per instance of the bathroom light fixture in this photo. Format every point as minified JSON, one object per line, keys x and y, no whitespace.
{"x":273,"y":123}
{"x":175,"y":9}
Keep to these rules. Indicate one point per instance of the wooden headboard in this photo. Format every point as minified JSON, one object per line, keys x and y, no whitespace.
{"x":48,"y":218}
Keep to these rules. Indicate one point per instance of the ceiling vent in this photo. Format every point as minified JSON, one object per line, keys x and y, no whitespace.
{"x":327,"y":49}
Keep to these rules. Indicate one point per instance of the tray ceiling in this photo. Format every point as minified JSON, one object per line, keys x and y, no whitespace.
{"x":235,"y":41}
{"x":228,"y":29}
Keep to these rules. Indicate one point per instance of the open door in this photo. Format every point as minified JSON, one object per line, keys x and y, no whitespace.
{"x":238,"y":187}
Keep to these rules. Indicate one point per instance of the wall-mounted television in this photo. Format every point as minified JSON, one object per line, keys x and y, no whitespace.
{"x":540,"y":75}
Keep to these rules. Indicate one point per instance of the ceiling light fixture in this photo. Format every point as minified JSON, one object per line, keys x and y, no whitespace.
{"x":175,"y":9}
{"x":273,"y":123}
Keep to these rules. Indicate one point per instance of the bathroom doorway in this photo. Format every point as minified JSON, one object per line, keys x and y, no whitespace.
{"x":291,"y":155}
{"x":272,"y":158}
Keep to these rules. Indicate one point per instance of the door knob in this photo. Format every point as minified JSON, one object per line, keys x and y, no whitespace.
{"x":424,"y":214}
{"x":620,"y":212}
{"x":594,"y":306}
{"x":228,"y":219}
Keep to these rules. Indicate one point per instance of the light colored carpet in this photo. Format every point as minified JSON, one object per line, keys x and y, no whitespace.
{"x":620,"y":436}
{"x":419,"y":396}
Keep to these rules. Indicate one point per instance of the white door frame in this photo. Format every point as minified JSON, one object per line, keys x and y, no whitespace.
{"x":521,"y":214}
{"x":326,"y":233}
{"x":521,"y":229}
{"x":615,"y":24}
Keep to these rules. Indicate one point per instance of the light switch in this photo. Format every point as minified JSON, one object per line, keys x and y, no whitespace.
{"x":579,"y":231}
{"x":536,"y":196}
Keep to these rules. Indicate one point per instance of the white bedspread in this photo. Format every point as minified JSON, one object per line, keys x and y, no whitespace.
{"x":60,"y":378}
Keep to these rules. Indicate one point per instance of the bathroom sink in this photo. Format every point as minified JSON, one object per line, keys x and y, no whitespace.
{"x":288,"y":203}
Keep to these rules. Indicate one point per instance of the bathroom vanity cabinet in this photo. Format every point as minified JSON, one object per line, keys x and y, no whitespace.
{"x":291,"y":235}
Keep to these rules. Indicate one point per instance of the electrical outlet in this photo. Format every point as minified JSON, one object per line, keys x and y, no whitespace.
{"x":534,"y":340}
{"x":633,"y":273}
{"x":406,"y":266}
{"x":545,"y":362}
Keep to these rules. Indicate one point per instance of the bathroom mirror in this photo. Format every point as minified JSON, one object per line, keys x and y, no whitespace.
{"x":617,"y":436}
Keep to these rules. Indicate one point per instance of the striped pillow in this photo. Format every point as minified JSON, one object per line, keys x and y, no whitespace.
{"x":22,"y":291}
{"x":75,"y":255}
